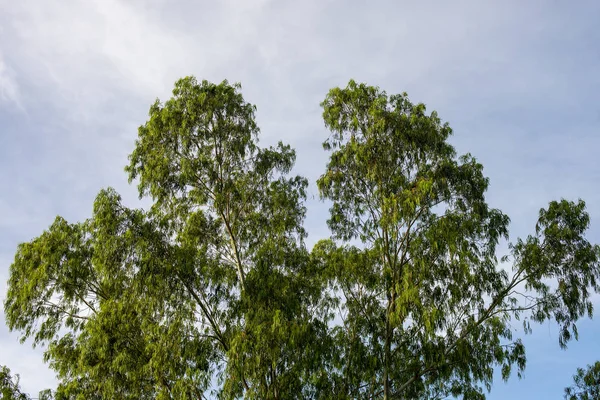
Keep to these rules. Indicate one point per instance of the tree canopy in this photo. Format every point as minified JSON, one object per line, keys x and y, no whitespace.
{"x":212,"y":291}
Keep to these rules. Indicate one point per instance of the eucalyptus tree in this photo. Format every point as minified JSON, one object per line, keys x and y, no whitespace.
{"x":427,"y":310}
{"x":208,"y":290}
{"x":586,"y":383}
{"x":10,"y":388}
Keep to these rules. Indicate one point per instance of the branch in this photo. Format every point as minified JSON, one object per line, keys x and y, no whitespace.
{"x":208,"y":316}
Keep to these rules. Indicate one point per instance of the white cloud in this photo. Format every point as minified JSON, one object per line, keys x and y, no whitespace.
{"x":516,"y":80}
{"x":9,"y":90}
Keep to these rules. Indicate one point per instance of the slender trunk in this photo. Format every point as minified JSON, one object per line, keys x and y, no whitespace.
{"x":389,"y":335}
{"x":238,"y":260}
{"x":386,"y":356}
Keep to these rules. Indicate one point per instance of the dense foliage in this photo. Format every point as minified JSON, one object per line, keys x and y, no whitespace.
{"x":212,"y":291}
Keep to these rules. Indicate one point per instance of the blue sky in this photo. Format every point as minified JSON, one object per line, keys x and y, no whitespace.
{"x":518,"y":81}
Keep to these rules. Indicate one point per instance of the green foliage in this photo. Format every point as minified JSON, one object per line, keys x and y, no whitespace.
{"x":212,"y":292}
{"x":10,"y":389}
{"x":586,"y":384}
{"x":428,"y":310}
{"x":9,"y":386}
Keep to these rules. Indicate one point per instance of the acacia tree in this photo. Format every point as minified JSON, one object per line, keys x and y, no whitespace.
{"x":586,"y":385}
{"x":212,"y":292}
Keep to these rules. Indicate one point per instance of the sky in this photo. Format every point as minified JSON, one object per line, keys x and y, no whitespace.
{"x":518,"y":81}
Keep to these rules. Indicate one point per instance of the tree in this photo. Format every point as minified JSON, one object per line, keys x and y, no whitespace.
{"x":11,"y":390}
{"x":586,"y":384}
{"x":428,"y":311}
{"x":213,"y":283}
{"x":212,"y":291}
{"x":9,"y":386}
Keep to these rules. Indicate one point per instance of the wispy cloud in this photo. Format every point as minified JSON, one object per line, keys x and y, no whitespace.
{"x":516,"y":80}
{"x":9,"y":89}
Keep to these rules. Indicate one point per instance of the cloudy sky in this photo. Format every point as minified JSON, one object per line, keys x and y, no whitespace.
{"x":519,"y":81}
